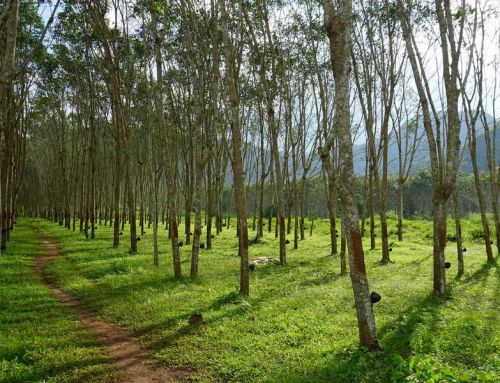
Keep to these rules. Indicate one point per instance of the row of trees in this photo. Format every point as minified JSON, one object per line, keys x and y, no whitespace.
{"x":22,"y":33}
{"x":145,"y":108}
{"x":416,"y":203}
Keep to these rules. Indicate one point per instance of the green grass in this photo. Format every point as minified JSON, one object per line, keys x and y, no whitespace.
{"x":299,"y":324}
{"x":39,"y":339}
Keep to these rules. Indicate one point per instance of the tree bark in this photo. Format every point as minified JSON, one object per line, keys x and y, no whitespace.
{"x":232,"y":76}
{"x":338,"y":23}
{"x":195,"y":249}
{"x":458,"y":233}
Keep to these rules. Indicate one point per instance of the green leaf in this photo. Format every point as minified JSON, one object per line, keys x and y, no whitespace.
{"x":412,"y":363}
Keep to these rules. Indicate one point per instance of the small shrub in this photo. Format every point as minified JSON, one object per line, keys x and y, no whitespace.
{"x":119,"y":268}
{"x":391,"y":214}
{"x":476,"y":235}
{"x":427,"y":369}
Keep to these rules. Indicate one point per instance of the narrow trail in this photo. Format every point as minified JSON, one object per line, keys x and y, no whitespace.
{"x":128,"y":357}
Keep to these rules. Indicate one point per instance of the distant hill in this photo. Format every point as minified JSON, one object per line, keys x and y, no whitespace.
{"x":421,"y":158}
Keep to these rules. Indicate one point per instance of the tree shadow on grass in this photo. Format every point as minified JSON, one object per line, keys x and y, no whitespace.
{"x":419,"y":261}
{"x":354,"y":364}
{"x":275,"y":268}
{"x":187,"y":329}
{"x":322,"y":279}
{"x":481,"y":273}
{"x":104,"y":295}
{"x":90,"y":249}
{"x":396,"y":335}
{"x":358,"y":365}
{"x":78,"y":370}
{"x":226,"y":306}
{"x":349,"y":365}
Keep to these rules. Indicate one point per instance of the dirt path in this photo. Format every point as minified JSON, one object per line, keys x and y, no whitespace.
{"x":128,"y":357}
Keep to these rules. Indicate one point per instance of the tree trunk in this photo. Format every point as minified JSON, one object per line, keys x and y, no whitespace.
{"x":439,"y":216}
{"x":195,"y":250}
{"x":458,"y":233}
{"x":188,"y":204}
{"x":9,"y":48}
{"x":175,"y":247}
{"x":372,"y":211}
{"x":210,"y":208}
{"x":280,"y":199}
{"x":343,"y":266}
{"x":383,"y":232}
{"x":479,"y":191}
{"x":263,"y":175}
{"x":141,"y":202}
{"x":131,"y":212}
{"x":155,"y":220}
{"x":93,"y":164}
{"x":302,"y":208}
{"x":400,"y":209}
{"x":338,"y":24}
{"x":238,"y":170}
{"x":331,"y":204}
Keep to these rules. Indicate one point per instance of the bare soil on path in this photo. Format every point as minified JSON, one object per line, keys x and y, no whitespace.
{"x":128,"y":357}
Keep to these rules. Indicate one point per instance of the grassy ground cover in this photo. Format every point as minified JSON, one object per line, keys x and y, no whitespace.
{"x":40,"y":340}
{"x":299,"y":323}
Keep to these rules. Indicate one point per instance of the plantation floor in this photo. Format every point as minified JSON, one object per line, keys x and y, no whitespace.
{"x":41,"y":339}
{"x":128,"y":358}
{"x":298,"y":325}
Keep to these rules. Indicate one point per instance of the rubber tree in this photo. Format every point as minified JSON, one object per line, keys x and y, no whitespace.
{"x":443,"y":148}
{"x":233,"y":63}
{"x":338,"y":25}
